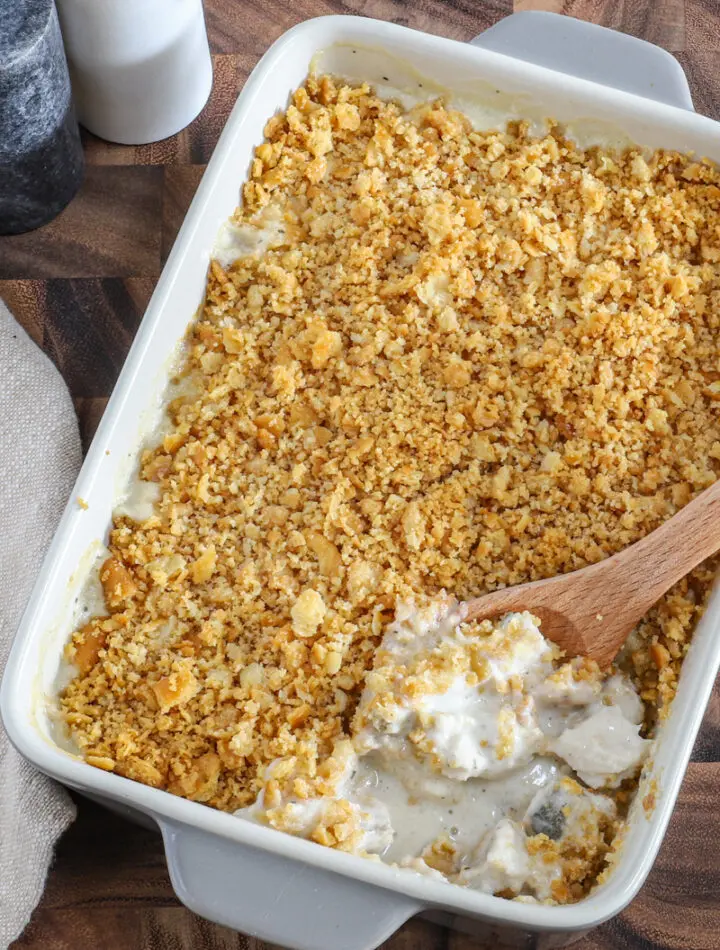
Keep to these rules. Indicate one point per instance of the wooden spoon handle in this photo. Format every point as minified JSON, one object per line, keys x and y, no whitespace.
{"x":590,"y":612}
{"x":674,"y":549}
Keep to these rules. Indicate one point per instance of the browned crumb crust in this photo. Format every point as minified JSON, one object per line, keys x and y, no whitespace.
{"x":475,"y":359}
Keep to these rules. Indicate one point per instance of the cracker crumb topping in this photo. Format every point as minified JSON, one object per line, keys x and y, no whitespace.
{"x":447,"y":359}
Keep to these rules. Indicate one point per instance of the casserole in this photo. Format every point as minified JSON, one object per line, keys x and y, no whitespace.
{"x":282,"y":889}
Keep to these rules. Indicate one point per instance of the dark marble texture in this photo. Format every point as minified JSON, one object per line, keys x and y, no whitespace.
{"x":41,"y":161}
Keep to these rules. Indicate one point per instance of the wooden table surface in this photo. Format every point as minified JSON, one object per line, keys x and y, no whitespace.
{"x":80,"y":286}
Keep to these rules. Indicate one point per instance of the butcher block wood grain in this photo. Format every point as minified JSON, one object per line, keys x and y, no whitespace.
{"x":80,"y":287}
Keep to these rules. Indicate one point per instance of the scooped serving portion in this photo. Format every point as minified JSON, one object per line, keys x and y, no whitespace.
{"x":432,"y":358}
{"x":484,"y":727}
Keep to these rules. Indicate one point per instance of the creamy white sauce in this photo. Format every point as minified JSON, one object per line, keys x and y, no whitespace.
{"x":424,"y":807}
{"x":90,"y":602}
{"x":603,"y":749}
{"x":501,"y":862}
{"x":465,"y":731}
{"x":140,"y":500}
{"x":464,"y":739}
{"x":235,"y":241}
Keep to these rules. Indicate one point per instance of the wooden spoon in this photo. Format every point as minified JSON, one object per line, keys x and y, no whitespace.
{"x":592,"y":611}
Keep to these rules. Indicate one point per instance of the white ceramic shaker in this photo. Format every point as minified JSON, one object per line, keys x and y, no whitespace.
{"x":140,"y":69}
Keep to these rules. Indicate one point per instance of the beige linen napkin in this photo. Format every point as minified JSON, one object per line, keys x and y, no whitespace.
{"x":39,"y":459}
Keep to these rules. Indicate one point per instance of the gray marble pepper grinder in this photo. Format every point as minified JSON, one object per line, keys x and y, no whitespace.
{"x":41,"y":160}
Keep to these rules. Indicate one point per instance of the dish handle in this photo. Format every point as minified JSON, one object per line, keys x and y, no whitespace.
{"x":590,"y":51}
{"x":277,"y":899}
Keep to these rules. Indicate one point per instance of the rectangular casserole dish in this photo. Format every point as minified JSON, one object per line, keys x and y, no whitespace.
{"x":276,"y":887}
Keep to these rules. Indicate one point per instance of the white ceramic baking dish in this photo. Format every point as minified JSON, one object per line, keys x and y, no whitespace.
{"x":289,"y":891}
